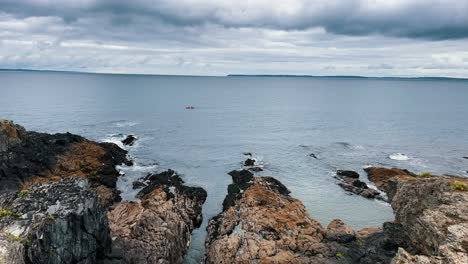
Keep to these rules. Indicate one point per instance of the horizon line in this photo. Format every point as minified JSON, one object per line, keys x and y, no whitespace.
{"x":245,"y":75}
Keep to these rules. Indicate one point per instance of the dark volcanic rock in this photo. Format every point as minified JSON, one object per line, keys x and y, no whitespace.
{"x":348,"y":173}
{"x":241,"y":181}
{"x":157,"y":229}
{"x":138,"y":184}
{"x":349,"y":182}
{"x":313,"y":155}
{"x":31,"y":157}
{"x":60,"y":222}
{"x":249,"y":162}
{"x":129,"y":140}
{"x":466,"y":157}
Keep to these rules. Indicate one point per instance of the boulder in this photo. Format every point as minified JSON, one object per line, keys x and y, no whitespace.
{"x":129,"y":140}
{"x":338,"y":231}
{"x":157,"y":229}
{"x":10,"y":135}
{"x":249,"y":162}
{"x":348,"y":173}
{"x":59,"y":222}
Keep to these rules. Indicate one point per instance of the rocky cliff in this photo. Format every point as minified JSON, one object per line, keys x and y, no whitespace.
{"x":262,"y":223}
{"x":58,"y":194}
{"x":433,"y":212}
{"x":157,"y":229}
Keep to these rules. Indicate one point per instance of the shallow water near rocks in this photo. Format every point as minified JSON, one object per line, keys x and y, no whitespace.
{"x":346,"y":123}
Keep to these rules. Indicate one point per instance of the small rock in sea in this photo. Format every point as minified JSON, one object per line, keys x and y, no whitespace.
{"x":465,"y":157}
{"x":248,"y":154}
{"x":348,"y":173}
{"x":138,"y":185}
{"x":129,"y":140}
{"x":249,"y":162}
{"x":255,"y":169}
{"x":313,"y":156}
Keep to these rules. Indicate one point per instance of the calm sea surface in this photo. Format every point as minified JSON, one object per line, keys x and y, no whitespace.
{"x":346,"y":123}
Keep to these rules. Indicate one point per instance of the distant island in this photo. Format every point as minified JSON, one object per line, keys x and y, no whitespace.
{"x":431,"y":78}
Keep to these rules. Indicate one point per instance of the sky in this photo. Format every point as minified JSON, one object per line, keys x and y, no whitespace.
{"x":219,"y":37}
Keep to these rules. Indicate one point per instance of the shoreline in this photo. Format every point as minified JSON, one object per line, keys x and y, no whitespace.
{"x":164,"y":189}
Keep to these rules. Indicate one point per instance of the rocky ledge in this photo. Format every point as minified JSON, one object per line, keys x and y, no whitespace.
{"x":157,"y":229}
{"x":433,"y":213}
{"x":60,"y":222}
{"x":59,"y":204}
{"x":262,"y":223}
{"x":28,"y":157}
{"x":349,"y":181}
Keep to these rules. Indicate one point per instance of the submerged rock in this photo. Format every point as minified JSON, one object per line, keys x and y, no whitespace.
{"x":129,"y":140}
{"x":60,"y":222}
{"x":157,"y":229}
{"x":313,"y":155}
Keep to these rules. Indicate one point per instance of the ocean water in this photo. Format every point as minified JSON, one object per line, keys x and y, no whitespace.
{"x":421,"y":125}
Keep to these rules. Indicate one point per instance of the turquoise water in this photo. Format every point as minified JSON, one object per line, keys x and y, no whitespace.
{"x":347,"y":123}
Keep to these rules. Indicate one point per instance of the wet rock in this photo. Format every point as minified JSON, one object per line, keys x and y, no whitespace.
{"x":138,"y":185}
{"x":39,"y":158}
{"x":60,"y":222}
{"x":465,"y":157}
{"x":249,"y":162}
{"x":157,"y":229}
{"x":349,"y":181}
{"x":338,"y":231}
{"x":248,"y":154}
{"x":313,"y":155}
{"x":348,"y":174}
{"x":129,"y":140}
{"x":266,"y":225}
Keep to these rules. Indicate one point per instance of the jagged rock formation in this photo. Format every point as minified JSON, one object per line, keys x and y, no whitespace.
{"x":157,"y":229}
{"x":349,"y":181}
{"x":433,"y":212}
{"x":60,"y":222}
{"x":29,"y":157}
{"x":262,"y":223}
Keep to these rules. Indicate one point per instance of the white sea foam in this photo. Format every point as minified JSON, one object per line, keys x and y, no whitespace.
{"x":131,"y":174}
{"x":124,"y":123}
{"x":398,"y":156}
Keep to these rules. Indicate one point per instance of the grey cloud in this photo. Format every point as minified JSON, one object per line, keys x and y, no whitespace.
{"x":424,"y":19}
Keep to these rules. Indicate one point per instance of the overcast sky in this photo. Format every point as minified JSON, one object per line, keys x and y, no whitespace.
{"x":218,"y":37}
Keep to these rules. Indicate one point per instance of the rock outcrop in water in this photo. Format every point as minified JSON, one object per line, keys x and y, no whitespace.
{"x":262,"y":223}
{"x":29,"y":157}
{"x":349,"y":181}
{"x":433,"y":213}
{"x":157,"y":229}
{"x":54,"y":194}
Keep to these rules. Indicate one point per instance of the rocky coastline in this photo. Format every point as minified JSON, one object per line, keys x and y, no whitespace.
{"x":59,"y":204}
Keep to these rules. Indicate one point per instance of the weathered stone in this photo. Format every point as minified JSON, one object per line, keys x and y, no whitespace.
{"x":40,"y":158}
{"x":157,"y":229}
{"x":338,"y":231}
{"x":60,"y":222}
{"x":348,"y":173}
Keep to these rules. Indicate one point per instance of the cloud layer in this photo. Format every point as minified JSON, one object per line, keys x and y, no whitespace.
{"x":367,"y":37}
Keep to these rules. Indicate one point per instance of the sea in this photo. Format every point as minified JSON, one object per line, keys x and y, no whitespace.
{"x":347,"y":123}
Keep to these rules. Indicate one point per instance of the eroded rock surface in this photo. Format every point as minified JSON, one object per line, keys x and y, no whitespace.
{"x":349,"y":181}
{"x":60,"y":222}
{"x":157,"y":229}
{"x":433,"y":212}
{"x":28,"y":157}
{"x":262,"y":223}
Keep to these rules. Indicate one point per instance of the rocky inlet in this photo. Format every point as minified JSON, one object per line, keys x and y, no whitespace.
{"x":59,"y":204}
